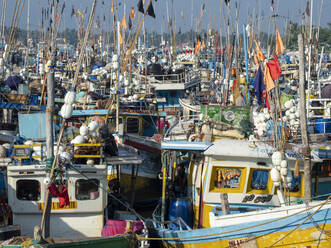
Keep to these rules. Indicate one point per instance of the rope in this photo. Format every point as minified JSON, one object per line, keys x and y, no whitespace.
{"x":236,"y":230}
{"x":304,"y":221}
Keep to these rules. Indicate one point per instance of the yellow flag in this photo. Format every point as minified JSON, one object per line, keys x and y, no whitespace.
{"x":124,"y":23}
{"x":279,"y":43}
{"x":259,"y":54}
{"x":268,"y":79}
{"x":79,"y":12}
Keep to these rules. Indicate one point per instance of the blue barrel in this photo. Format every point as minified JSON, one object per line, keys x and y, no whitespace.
{"x":322,"y":125}
{"x":181,"y":207}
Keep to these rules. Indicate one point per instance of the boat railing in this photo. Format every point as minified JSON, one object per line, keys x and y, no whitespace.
{"x":184,"y":77}
{"x":321,"y":111}
{"x":88,"y":151}
{"x":24,"y":154}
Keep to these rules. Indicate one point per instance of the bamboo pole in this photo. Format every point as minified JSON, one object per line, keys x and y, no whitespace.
{"x":303,"y":121}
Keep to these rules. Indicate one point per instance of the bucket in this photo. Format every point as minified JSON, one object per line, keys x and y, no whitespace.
{"x":322,"y":125}
{"x":180,"y":207}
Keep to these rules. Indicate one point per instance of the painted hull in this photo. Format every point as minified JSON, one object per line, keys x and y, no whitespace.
{"x":296,"y":230}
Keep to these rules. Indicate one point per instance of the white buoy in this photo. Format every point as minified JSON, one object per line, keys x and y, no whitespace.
{"x":276,"y":158}
{"x":274,"y":174}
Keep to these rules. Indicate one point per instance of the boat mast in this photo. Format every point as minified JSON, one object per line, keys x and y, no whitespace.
{"x":3,"y":18}
{"x":303,"y":121}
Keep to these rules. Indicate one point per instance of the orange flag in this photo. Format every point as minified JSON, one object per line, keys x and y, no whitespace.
{"x":132,"y":14}
{"x":260,"y":54}
{"x":279,"y":43}
{"x":203,"y":44}
{"x":124,"y":23}
{"x":120,"y":37}
{"x":268,"y":79}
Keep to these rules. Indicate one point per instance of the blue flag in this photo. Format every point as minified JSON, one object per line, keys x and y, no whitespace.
{"x":259,"y":85}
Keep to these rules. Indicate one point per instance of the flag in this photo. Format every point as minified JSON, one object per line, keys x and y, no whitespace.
{"x":203,"y":44}
{"x":274,"y":68}
{"x":132,"y":14}
{"x":72,"y":11}
{"x":279,"y":43}
{"x":182,"y":14}
{"x":79,"y":12}
{"x":307,"y":9}
{"x":141,"y":6}
{"x":272,"y":5}
{"x":120,"y":38}
{"x":268,"y":79}
{"x":259,"y":85}
{"x":150,"y":10}
{"x":63,"y":6}
{"x":259,"y":54}
{"x":124,"y":23}
{"x":130,"y":23}
{"x":227,"y":2}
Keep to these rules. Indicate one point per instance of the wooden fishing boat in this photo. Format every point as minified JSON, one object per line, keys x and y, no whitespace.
{"x":234,"y":200}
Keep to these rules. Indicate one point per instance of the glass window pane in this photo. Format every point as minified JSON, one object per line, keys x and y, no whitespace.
{"x":28,"y":190}
{"x":227,"y":178}
{"x":296,"y":183}
{"x":259,"y":179}
{"x":87,"y":189}
{"x":132,"y":125}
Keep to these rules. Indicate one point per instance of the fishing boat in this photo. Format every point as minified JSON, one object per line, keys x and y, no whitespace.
{"x":234,"y":199}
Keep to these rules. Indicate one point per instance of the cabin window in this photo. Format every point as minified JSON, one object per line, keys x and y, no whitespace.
{"x":260,"y":179}
{"x":295,"y":184}
{"x":227,"y":178}
{"x":132,"y":125}
{"x":87,"y":189}
{"x":28,"y":190}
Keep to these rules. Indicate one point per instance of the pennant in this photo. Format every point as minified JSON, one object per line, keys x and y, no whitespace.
{"x":124,"y":23}
{"x":274,"y":68}
{"x":79,"y":12}
{"x":72,"y":11}
{"x":63,"y":7}
{"x":141,"y":6}
{"x":150,"y":10}
{"x":279,"y":43}
{"x":132,"y":14}
{"x":227,"y":2}
{"x":130,"y":23}
{"x":259,"y":85}
{"x":268,"y":79}
{"x":203,"y":44}
{"x":182,"y":14}
{"x":120,"y":38}
{"x":307,"y":9}
{"x":260,"y":54}
{"x":57,"y":17}
{"x":272,"y":5}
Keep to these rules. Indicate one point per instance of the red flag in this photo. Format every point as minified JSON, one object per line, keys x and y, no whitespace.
{"x":274,"y":68}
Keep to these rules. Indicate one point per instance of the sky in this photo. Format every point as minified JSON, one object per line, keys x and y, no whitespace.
{"x":183,"y":11}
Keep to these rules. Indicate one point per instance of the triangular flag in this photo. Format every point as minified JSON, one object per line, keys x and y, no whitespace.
{"x":130,"y":23}
{"x":259,"y":54}
{"x":124,"y":23}
{"x":274,"y":68}
{"x":268,"y":79}
{"x":279,"y":43}
{"x":203,"y":44}
{"x":132,"y":14}
{"x":120,"y":37}
{"x":79,"y":12}
{"x":150,"y":10}
{"x":259,"y":85}
{"x":141,"y":6}
{"x":182,"y":14}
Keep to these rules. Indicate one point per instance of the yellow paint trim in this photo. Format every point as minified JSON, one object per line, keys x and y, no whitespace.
{"x":300,"y":238}
{"x":89,"y":145}
{"x":241,"y":187}
{"x":268,"y":190}
{"x":27,"y":146}
{"x":26,"y":157}
{"x":87,"y":156}
{"x":56,"y":205}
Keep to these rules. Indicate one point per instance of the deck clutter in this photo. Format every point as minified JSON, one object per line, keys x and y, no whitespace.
{"x":115,"y":140}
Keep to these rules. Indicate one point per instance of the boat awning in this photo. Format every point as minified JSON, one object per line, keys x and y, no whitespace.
{"x":185,"y":145}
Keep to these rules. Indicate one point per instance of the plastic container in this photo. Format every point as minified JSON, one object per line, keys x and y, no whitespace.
{"x":322,"y":125}
{"x":181,"y":207}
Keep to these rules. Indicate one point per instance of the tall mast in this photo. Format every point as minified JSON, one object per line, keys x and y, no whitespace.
{"x":3,"y":18}
{"x":28,"y":24}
